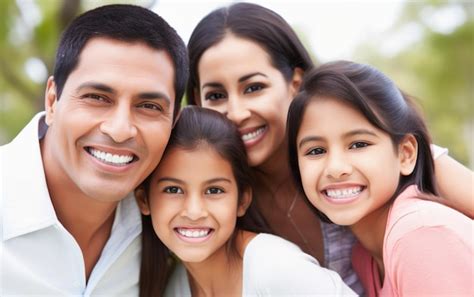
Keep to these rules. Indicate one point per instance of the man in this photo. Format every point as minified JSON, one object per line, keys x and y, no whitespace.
{"x":69,"y":226}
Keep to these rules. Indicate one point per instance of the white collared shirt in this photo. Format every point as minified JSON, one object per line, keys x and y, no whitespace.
{"x":38,"y":256}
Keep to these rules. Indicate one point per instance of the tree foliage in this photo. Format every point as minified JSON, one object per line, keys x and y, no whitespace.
{"x":438,"y":69}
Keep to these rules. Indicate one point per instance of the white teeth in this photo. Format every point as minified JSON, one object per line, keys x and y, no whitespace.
{"x":194,"y":233}
{"x":252,"y":135}
{"x":343,"y":193}
{"x":109,"y":158}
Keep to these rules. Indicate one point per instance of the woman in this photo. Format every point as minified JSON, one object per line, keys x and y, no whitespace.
{"x":247,"y":63}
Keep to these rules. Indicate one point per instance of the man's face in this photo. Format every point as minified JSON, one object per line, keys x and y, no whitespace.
{"x":109,"y":128}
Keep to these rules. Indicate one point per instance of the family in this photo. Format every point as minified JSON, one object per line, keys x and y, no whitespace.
{"x":280,"y":177}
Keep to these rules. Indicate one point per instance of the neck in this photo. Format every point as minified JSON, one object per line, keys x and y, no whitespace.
{"x":370,"y":231}
{"x":221,"y":273}
{"x":275,"y":171}
{"x":88,"y":220}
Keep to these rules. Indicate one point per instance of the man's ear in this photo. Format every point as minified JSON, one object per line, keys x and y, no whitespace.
{"x":244,"y":202}
{"x":142,"y":201}
{"x":407,"y":153}
{"x":50,"y":100}
{"x":296,"y":81}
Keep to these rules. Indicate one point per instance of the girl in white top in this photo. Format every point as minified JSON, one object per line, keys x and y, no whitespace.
{"x":200,"y":202}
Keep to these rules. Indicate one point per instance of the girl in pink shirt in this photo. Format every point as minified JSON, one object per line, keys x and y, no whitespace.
{"x":361,"y":153}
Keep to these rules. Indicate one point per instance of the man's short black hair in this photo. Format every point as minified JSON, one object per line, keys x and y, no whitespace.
{"x":127,"y":23}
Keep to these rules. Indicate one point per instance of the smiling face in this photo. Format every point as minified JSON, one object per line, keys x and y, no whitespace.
{"x":349,"y":168}
{"x":109,"y":129}
{"x":193,"y":202}
{"x":237,"y":78}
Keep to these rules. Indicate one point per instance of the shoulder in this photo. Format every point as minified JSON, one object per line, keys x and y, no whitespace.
{"x":430,"y":260}
{"x":411,"y":214}
{"x":273,"y":265}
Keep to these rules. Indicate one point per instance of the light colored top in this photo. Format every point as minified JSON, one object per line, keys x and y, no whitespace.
{"x":339,"y":240}
{"x":273,"y":266}
{"x":427,"y":250}
{"x":38,"y":256}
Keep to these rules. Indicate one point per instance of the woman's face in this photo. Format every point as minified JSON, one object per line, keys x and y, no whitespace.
{"x":237,"y":78}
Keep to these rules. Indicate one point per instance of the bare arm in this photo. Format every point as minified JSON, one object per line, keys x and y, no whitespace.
{"x":456,"y":184}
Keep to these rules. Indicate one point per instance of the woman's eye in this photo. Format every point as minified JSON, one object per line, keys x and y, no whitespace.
{"x":358,"y":144}
{"x":173,"y":190}
{"x":253,"y":88}
{"x":214,"y":191}
{"x":316,"y":151}
{"x":214,"y":96}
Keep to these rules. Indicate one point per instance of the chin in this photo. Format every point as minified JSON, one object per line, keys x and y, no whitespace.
{"x":106,"y":194}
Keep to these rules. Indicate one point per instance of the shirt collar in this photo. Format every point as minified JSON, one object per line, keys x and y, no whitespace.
{"x":27,"y":206}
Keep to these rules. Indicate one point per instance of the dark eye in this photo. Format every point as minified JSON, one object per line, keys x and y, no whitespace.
{"x":358,"y":144}
{"x":316,"y":151}
{"x":151,"y":106}
{"x":214,"y":96}
{"x":253,"y":88}
{"x":95,"y":97}
{"x":214,"y":190}
{"x":173,"y":190}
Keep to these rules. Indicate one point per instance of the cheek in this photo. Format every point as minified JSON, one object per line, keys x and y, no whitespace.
{"x":308,"y":178}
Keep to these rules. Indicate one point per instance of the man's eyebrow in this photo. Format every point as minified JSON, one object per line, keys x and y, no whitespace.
{"x":250,"y":75}
{"x":96,"y":86}
{"x":154,"y":96}
{"x":107,"y":89}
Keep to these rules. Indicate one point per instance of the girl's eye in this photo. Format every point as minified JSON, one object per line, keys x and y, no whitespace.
{"x":358,"y":144}
{"x":214,"y":191}
{"x":151,"y":106}
{"x":316,"y":151}
{"x":214,"y":96}
{"x":253,"y":88}
{"x":173,"y":190}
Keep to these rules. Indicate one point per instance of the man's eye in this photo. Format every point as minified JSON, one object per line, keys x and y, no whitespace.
{"x":316,"y":151}
{"x":95,"y":97}
{"x":253,"y":88}
{"x":151,"y":106}
{"x":214,"y":190}
{"x":358,"y":144}
{"x":214,"y":96}
{"x":173,"y":190}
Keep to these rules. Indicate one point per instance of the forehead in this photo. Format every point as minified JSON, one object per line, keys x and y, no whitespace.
{"x":331,"y":116}
{"x":124,"y":64}
{"x":200,"y":162}
{"x":234,"y":53}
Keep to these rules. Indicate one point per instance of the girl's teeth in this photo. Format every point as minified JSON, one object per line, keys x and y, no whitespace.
{"x":253,"y":135}
{"x":110,"y":158}
{"x":195,"y":233}
{"x":343,"y":193}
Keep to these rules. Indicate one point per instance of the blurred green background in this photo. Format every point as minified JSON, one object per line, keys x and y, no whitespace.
{"x":437,"y":68}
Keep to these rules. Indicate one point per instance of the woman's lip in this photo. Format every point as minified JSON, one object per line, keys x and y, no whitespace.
{"x":251,"y":140}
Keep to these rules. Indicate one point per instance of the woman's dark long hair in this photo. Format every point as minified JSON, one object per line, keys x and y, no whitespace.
{"x":379,"y":100}
{"x":252,"y":22}
{"x":197,"y":126}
